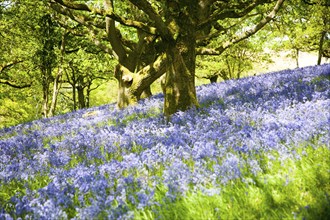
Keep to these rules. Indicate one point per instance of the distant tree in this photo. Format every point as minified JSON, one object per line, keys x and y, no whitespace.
{"x":86,"y":71}
{"x":235,"y":62}
{"x":46,"y":58}
{"x":306,"y":26}
{"x":33,"y":59}
{"x":166,"y":35}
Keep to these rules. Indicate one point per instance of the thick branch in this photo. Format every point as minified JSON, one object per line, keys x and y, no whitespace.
{"x":81,"y":19}
{"x":75,"y":6}
{"x":145,"y":77}
{"x":113,"y":35}
{"x":152,"y":72}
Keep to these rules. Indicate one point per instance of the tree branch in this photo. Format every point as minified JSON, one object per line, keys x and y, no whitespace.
{"x":113,"y":35}
{"x":85,"y":21}
{"x":232,"y":11}
{"x":308,"y":2}
{"x":14,"y":85}
{"x":246,"y":34}
{"x":107,"y":13}
{"x":10,"y":64}
{"x":150,"y":73}
{"x":143,"y":78}
{"x":162,"y":28}
{"x":220,"y":29}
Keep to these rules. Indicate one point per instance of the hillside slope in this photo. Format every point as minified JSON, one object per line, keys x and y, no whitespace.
{"x":104,"y":162}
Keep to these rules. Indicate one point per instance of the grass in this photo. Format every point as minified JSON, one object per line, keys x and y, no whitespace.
{"x":292,"y":189}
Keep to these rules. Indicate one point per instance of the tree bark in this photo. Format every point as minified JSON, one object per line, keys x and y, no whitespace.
{"x":320,"y":53}
{"x":213,"y":79}
{"x":46,"y":81}
{"x":180,"y":92}
{"x":297,"y":57}
{"x":45,"y":93}
{"x":73,"y":83}
{"x":57,"y":79}
{"x":132,"y":85}
{"x":81,"y":96}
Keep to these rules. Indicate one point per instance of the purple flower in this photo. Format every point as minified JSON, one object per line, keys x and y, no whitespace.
{"x":113,"y":162}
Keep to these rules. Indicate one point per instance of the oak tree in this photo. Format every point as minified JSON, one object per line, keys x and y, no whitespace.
{"x":151,"y":37}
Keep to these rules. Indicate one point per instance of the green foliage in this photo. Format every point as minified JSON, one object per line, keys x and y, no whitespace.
{"x":32,"y":42}
{"x":18,"y":106}
{"x":18,"y":46}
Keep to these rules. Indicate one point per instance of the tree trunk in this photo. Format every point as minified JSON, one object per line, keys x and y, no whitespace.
{"x":88,"y":94}
{"x":80,"y":91}
{"x":125,"y":81}
{"x":180,"y":92}
{"x":56,"y":89}
{"x":213,"y":79}
{"x":297,"y":57}
{"x":127,"y":60}
{"x":46,"y":80}
{"x":81,"y":97}
{"x":45,"y":91}
{"x":319,"y":58}
{"x":146,"y":93}
{"x":73,"y":84}
{"x":57,"y":79}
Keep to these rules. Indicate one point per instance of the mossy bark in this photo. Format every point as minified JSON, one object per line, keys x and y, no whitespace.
{"x":133,"y":86}
{"x":180,"y":92}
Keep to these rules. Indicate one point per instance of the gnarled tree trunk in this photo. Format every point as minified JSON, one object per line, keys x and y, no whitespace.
{"x":132,"y":85}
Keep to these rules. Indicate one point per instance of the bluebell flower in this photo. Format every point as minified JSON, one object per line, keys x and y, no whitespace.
{"x":103,"y":163}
